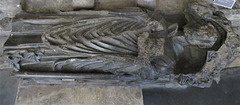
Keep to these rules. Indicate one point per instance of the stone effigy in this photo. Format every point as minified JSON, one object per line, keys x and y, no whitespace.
{"x":135,"y":46}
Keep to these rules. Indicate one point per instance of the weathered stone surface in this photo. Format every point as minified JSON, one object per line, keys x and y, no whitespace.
{"x":173,"y":10}
{"x":236,"y":62}
{"x":150,"y":4}
{"x":46,"y":6}
{"x":4,"y":62}
{"x":175,"y":6}
{"x":237,"y":5}
{"x":3,"y":59}
{"x":9,"y":8}
{"x":110,"y":4}
{"x":204,"y":35}
{"x":5,"y":26}
{"x":74,"y":95}
{"x":232,"y":15}
{"x":8,"y":87}
{"x":165,"y":6}
{"x":171,"y":6}
{"x":78,"y":4}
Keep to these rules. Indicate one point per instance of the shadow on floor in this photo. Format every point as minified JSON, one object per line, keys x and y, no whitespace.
{"x":227,"y":92}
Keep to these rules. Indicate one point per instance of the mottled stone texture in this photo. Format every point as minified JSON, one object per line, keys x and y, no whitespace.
{"x":236,"y":62}
{"x":234,"y":16}
{"x":74,"y":95}
{"x":9,"y":8}
{"x":3,"y":59}
{"x":166,"y":6}
{"x":38,"y":6}
{"x":176,"y":6}
{"x":48,"y":6}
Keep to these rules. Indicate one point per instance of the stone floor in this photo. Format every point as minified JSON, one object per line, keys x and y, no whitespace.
{"x":8,"y":84}
{"x":79,"y":95}
{"x":227,"y":92}
{"x":8,"y":87}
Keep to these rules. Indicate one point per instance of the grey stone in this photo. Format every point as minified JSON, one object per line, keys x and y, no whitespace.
{"x":4,"y":62}
{"x":79,"y":4}
{"x":49,"y":6}
{"x":75,"y":95}
{"x":150,"y":4}
{"x":8,"y":87}
{"x":9,"y":8}
{"x":111,"y":4}
{"x":5,"y":26}
{"x":236,"y":62}
{"x":175,"y":6}
{"x":3,"y":59}
{"x":225,"y":93}
{"x":201,"y":34}
{"x":232,"y":15}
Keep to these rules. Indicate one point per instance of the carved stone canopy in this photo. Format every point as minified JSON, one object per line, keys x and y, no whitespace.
{"x":132,"y":46}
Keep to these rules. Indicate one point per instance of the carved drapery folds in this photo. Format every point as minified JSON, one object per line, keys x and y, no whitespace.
{"x":130,"y":43}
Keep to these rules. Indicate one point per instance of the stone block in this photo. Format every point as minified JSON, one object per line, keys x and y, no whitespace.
{"x":150,"y":4}
{"x":51,"y":6}
{"x":75,"y":95}
{"x":113,"y":4}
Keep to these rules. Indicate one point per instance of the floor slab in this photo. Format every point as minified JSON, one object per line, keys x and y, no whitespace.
{"x":78,"y":95}
{"x":8,"y":87}
{"x":225,"y":93}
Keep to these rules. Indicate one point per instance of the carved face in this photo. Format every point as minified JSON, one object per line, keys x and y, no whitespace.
{"x":203,"y":35}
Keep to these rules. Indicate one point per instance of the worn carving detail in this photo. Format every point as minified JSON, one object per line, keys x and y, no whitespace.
{"x":135,"y":44}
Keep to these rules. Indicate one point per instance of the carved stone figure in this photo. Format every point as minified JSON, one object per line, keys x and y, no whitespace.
{"x":136,"y":43}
